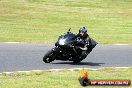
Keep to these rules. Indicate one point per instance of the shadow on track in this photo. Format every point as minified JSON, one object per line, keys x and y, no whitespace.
{"x":81,"y":63}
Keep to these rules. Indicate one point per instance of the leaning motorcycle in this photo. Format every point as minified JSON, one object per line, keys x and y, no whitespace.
{"x":68,"y":47}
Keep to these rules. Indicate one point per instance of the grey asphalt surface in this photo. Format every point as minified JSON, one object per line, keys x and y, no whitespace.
{"x":27,"y":56}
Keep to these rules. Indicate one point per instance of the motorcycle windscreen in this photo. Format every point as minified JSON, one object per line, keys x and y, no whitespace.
{"x":69,"y":37}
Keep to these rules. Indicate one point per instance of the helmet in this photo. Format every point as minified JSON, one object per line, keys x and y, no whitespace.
{"x":83,"y":31}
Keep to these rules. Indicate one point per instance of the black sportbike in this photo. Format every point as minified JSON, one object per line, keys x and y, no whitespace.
{"x":70,"y":48}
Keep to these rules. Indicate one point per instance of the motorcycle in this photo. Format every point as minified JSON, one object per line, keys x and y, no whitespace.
{"x":68,"y":47}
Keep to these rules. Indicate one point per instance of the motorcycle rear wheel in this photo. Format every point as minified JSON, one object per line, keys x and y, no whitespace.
{"x":77,"y":60}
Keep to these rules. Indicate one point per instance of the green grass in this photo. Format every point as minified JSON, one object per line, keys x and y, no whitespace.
{"x":60,"y":79}
{"x":108,"y":21}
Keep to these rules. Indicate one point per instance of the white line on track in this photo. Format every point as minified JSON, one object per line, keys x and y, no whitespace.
{"x":11,"y":42}
{"x":121,"y":44}
{"x":50,"y":70}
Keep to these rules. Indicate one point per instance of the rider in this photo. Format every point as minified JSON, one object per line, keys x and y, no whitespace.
{"x":85,"y":40}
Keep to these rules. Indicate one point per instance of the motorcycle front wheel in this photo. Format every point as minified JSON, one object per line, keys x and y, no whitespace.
{"x":49,"y":56}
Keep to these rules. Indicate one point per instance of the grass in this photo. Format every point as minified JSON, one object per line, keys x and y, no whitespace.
{"x":60,"y":79}
{"x":108,"y":21}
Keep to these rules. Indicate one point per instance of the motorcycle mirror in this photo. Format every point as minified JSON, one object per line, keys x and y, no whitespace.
{"x":69,"y":29}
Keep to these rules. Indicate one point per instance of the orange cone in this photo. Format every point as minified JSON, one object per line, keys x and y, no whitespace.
{"x":84,"y":74}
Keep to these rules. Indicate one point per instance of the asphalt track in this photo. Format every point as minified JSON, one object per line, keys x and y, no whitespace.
{"x":28,"y":56}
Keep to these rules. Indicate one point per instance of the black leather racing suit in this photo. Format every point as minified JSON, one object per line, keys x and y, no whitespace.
{"x":85,"y":42}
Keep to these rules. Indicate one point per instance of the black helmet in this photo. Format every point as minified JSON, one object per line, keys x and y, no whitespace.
{"x":83,"y":29}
